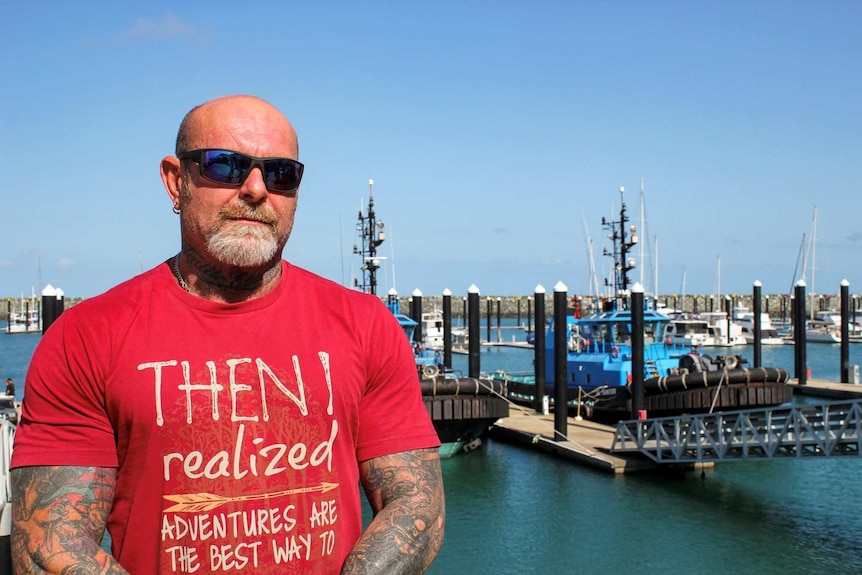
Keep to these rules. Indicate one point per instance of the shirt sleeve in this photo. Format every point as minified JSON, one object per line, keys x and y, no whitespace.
{"x":63,"y":415}
{"x":393,"y":417}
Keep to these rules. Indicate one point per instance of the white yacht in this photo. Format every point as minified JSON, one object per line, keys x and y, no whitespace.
{"x":825,"y":327}
{"x":744,"y":317}
{"x":725,"y":333}
{"x":432,"y":329}
{"x":688,"y":330}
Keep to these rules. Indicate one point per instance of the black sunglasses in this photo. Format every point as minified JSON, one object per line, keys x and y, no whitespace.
{"x":281,"y":175}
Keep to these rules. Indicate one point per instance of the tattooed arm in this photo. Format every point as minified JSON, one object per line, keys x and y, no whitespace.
{"x":58,"y":520}
{"x":405,"y":491}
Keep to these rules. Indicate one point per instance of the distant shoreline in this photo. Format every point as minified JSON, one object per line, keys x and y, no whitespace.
{"x":776,"y":305}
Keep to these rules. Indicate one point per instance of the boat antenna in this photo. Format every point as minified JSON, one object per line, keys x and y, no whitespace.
{"x":643,"y":231}
{"x":371,"y":235}
{"x":623,"y":239}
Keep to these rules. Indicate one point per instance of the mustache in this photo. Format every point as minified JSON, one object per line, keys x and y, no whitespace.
{"x":263,"y":214}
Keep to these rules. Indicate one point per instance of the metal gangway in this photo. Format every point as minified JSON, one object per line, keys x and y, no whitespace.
{"x":7,"y":437}
{"x":801,"y":431}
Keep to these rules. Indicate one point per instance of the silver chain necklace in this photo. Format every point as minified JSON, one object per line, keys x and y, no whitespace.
{"x":176,"y":268}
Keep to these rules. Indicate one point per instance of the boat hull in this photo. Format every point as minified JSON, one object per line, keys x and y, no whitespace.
{"x":463,"y":409}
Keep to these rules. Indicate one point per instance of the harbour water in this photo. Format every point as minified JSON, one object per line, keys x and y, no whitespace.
{"x":514,"y":511}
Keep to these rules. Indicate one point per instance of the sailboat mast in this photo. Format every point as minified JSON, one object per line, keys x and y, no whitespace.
{"x":718,"y":280}
{"x":813,"y":256}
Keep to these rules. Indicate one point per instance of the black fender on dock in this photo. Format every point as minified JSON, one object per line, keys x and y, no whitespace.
{"x":699,"y":380}
{"x":461,"y":386}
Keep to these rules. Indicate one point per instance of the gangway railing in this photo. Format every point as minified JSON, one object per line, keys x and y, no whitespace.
{"x":7,"y":436}
{"x":823,"y":430}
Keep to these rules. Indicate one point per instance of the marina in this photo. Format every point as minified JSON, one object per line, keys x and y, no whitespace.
{"x":635,"y":426}
{"x":752,"y":517}
{"x":24,"y":315}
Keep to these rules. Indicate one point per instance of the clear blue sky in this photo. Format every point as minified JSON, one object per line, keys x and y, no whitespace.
{"x":497,"y":133}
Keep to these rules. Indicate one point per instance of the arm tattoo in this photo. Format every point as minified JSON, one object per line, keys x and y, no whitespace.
{"x":58,"y":520}
{"x":405,"y":491}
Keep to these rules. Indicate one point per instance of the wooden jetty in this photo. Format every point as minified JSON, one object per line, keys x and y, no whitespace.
{"x":589,"y":443}
{"x":826,"y":389}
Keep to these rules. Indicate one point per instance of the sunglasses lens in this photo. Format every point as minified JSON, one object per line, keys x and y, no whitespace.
{"x":282,"y":175}
{"x":232,"y":168}
{"x":225,"y":167}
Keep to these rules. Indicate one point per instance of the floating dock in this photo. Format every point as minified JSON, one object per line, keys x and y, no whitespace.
{"x":826,"y":389}
{"x":590,"y":443}
{"x":587,"y":442}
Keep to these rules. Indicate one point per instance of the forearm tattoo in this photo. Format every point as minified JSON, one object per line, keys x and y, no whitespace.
{"x":405,"y":491}
{"x":58,"y":520}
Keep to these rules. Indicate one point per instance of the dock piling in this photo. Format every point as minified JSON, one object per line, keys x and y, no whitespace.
{"x":561,"y":366}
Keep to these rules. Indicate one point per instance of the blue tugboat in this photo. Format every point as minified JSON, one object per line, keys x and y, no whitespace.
{"x":677,"y":379}
{"x":461,"y":408}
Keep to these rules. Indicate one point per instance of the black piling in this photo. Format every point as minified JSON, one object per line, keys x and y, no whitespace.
{"x":755,"y":298}
{"x":638,"y":399}
{"x":416,"y":307}
{"x":50,"y":307}
{"x":499,"y":320}
{"x":464,"y":314}
{"x":530,"y":314}
{"x":488,"y":320}
{"x":729,"y":313}
{"x":561,"y":409}
{"x":519,"y":310}
{"x":539,"y":350}
{"x":799,"y":339}
{"x":845,"y":331}
{"x":447,"y":328}
{"x":473,"y":343}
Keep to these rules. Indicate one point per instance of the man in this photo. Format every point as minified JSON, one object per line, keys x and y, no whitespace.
{"x":217,"y":412}
{"x":10,"y":387}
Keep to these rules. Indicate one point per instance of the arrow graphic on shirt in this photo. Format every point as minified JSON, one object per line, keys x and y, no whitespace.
{"x":196,"y":502}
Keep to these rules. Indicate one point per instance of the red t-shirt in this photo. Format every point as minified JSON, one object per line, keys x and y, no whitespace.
{"x":236,"y":428}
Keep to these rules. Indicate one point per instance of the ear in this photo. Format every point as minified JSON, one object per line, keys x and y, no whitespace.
{"x":171,"y":178}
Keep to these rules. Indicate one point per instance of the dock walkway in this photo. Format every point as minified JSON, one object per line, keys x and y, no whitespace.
{"x":587,"y":442}
{"x":590,"y":443}
{"x":826,"y":389}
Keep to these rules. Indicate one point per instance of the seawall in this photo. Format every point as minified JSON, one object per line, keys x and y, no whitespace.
{"x":776,"y":305}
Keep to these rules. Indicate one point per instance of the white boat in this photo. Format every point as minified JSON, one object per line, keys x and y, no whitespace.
{"x":825,"y":327}
{"x":724,"y":332}
{"x":7,"y":438}
{"x":432,"y":329}
{"x":688,"y":330}
{"x":744,"y":317}
{"x":25,"y":315}
{"x":819,"y":331}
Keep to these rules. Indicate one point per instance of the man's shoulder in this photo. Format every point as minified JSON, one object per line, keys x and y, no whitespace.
{"x":125,"y":297}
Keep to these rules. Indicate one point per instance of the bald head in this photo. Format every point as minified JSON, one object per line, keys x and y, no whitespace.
{"x":239,"y":112}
